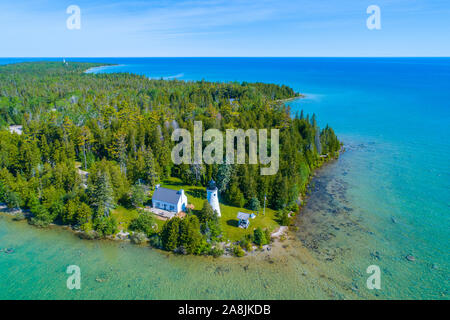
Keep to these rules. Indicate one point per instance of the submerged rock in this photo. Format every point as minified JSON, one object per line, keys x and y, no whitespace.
{"x":19,"y":217}
{"x":376,"y":255}
{"x":221,"y":270}
{"x":88,"y":235}
{"x":138,"y":238}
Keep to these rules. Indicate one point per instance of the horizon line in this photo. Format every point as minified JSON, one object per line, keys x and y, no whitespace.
{"x":203,"y":57}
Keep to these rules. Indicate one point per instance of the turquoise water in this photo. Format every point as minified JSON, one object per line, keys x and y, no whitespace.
{"x":388,"y":196}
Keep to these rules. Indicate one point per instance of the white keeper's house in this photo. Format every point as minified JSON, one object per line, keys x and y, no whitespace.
{"x":169,"y":200}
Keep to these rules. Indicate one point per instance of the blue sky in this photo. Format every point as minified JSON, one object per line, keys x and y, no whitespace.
{"x":136,"y":28}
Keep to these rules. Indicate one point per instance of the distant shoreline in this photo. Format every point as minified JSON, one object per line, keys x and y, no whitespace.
{"x":88,"y":71}
{"x":301,"y":96}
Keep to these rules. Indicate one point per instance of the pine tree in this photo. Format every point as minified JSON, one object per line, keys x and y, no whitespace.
{"x":224,"y":176}
{"x":170,"y":234}
{"x":260,"y":237}
{"x":119,"y":150}
{"x":317,"y":140}
{"x":84,"y":141}
{"x":102,"y":194}
{"x":207,"y":213}
{"x":84,"y":214}
{"x":45,"y":150}
{"x":151,"y":176}
{"x":280,"y":192}
{"x":234,"y":195}
{"x":313,"y":120}
{"x":197,"y":173}
{"x":70,"y":211}
{"x":254,"y":204}
{"x":138,"y":195}
{"x":190,"y":236}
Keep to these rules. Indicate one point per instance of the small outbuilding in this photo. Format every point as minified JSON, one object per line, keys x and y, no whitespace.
{"x":244,"y":219}
{"x":16,"y":129}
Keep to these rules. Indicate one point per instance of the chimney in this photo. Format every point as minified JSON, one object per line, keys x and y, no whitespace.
{"x":157,"y":186}
{"x":181,"y":191}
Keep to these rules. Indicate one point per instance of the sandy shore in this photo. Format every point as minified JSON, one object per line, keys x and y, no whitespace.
{"x":90,"y":70}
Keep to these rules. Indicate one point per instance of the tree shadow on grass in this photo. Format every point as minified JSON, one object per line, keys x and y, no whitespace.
{"x":173,"y":183}
{"x":197,"y":193}
{"x":233,"y":223}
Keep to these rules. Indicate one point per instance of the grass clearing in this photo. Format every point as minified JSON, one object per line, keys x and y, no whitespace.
{"x":197,"y":195}
{"x":124,"y":216}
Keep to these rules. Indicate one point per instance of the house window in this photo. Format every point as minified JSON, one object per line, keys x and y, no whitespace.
{"x":172,"y":207}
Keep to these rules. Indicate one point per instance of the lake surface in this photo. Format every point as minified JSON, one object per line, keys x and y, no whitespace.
{"x":388,"y":196}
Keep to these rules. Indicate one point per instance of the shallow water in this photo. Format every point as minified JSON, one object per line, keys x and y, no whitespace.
{"x":385,"y":198}
{"x":36,"y":270}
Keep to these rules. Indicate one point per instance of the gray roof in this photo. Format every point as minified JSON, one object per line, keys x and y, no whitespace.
{"x":166,"y":195}
{"x":243,"y":216}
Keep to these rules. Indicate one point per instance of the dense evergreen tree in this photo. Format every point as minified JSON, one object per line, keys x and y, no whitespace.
{"x":170,"y":234}
{"x":210,"y":225}
{"x":254,"y":204}
{"x":234,"y":194}
{"x":224,"y":176}
{"x":138,"y":195}
{"x":102,"y":194}
{"x":260,"y":237}
{"x":83,"y":215}
{"x":207,"y":213}
{"x":190,"y":237}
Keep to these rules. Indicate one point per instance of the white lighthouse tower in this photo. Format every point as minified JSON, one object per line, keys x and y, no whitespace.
{"x":212,"y":194}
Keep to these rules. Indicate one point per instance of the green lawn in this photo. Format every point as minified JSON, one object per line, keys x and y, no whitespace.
{"x":196,"y":196}
{"x":159,"y":223}
{"x":124,"y":216}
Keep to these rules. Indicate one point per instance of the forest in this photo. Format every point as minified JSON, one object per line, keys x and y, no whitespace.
{"x":117,"y":128}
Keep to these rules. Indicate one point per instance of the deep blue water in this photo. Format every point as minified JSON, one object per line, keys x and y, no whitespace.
{"x":393,"y":114}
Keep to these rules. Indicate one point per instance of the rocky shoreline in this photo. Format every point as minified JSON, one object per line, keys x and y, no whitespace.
{"x":22,"y":215}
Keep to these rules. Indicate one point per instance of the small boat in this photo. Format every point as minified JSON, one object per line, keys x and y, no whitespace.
{"x":9,"y":250}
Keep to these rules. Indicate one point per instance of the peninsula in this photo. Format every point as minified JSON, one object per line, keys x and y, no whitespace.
{"x":93,"y":151}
